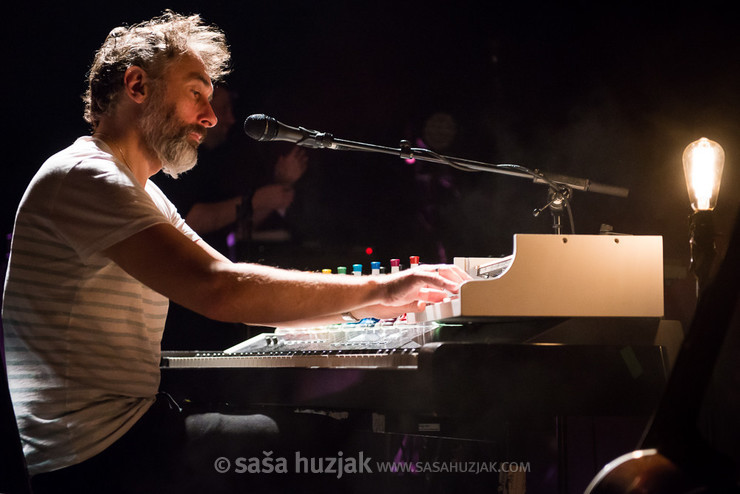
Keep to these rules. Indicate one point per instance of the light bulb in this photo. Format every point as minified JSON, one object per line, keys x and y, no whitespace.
{"x":703,"y":161}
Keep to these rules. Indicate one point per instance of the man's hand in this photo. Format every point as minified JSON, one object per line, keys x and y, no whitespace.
{"x":412,"y":290}
{"x":427,"y":283}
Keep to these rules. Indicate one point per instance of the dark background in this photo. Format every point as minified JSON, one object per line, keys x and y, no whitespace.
{"x":608,"y":91}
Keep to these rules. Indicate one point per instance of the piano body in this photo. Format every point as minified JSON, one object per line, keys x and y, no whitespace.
{"x":567,"y":327}
{"x":563,"y":276}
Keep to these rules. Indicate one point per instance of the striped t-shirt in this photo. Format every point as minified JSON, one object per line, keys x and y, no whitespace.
{"x":82,"y":337}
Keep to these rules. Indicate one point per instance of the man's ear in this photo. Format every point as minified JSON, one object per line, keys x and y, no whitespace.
{"x":136,"y":83}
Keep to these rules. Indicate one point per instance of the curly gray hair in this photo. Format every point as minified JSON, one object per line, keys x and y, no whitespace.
{"x":151,"y":45}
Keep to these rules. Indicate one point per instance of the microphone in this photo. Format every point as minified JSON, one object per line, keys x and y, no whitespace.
{"x":263,"y":128}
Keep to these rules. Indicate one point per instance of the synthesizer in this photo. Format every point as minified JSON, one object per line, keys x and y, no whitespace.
{"x":370,"y":343}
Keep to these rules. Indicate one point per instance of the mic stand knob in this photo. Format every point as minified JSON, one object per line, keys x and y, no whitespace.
{"x":324,"y":140}
{"x":406,"y":152}
{"x":556,"y":203}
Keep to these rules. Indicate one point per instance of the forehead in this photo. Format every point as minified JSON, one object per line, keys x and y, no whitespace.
{"x":188,"y":69}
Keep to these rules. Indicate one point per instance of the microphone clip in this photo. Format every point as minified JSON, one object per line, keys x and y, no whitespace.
{"x":315,"y":140}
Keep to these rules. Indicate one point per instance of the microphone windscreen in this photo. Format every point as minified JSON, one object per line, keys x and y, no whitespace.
{"x":261,"y":127}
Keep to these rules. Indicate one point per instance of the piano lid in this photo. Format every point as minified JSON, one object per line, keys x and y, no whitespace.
{"x":561,"y":276}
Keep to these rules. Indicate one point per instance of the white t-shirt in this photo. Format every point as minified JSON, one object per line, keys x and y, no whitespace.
{"x":82,"y":337}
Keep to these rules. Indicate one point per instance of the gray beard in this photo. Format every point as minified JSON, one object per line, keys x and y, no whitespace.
{"x":167,"y":137}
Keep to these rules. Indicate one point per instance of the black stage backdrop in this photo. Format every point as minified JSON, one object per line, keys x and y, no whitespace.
{"x":607,"y":91}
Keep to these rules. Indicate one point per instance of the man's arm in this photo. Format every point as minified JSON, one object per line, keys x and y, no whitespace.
{"x":379,"y":311}
{"x":200,"y":279}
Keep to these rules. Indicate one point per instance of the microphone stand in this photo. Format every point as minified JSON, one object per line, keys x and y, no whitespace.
{"x":560,"y":187}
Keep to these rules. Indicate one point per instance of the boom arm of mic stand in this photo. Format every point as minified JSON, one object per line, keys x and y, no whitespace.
{"x":585,"y":185}
{"x":324,"y":140}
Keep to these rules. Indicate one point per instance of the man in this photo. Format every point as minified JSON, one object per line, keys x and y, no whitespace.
{"x":98,"y":250}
